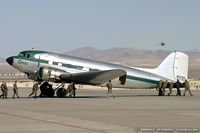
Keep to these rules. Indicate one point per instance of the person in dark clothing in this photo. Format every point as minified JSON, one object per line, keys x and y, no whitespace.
{"x":74,"y":89}
{"x":178,"y":84}
{"x":159,"y":86}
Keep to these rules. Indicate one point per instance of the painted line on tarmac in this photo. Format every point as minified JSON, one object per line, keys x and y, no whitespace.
{"x":55,"y":123}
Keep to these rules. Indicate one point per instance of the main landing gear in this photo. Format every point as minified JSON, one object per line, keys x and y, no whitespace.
{"x":61,"y":91}
{"x":47,"y":90}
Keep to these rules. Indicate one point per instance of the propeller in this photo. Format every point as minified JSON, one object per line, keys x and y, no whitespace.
{"x":38,"y":66}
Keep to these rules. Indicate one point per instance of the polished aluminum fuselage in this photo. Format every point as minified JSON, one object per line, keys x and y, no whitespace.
{"x":136,"y":78}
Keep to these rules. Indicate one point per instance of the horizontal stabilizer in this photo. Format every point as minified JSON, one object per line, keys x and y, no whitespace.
{"x":93,"y":78}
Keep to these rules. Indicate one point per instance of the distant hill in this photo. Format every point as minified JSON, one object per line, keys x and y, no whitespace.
{"x":116,"y":52}
{"x":6,"y":68}
{"x":2,"y":60}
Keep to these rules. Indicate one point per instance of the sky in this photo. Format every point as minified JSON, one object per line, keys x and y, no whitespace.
{"x":64,"y":25}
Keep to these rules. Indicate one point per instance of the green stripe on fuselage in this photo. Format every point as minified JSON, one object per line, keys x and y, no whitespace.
{"x":142,"y":79}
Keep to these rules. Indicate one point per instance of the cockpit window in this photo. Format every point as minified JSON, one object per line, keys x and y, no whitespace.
{"x":21,"y":54}
{"x":24,"y":55}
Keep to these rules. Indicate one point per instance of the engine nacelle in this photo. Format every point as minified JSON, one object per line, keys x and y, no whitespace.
{"x":50,"y":74}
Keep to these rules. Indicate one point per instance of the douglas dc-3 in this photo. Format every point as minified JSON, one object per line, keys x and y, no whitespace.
{"x":48,"y":67}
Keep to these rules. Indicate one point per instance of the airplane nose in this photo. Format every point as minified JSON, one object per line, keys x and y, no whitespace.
{"x":10,"y":60}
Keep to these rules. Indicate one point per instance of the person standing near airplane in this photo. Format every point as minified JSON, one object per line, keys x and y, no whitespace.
{"x":109,"y":85}
{"x":178,"y":88}
{"x":34,"y":91}
{"x":2,"y":89}
{"x":74,"y":89}
{"x":5,"y":89}
{"x":164,"y":87}
{"x":160,"y":88}
{"x":15,"y":89}
{"x":187,"y":88}
{"x":170,"y":88}
{"x":70,"y":89}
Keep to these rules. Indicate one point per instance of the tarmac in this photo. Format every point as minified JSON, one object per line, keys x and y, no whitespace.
{"x":91,"y":112}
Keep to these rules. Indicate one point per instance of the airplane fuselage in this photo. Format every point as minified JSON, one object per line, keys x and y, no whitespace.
{"x":28,"y":62}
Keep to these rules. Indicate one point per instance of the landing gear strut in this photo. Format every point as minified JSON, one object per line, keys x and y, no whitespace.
{"x":61,"y":91}
{"x":47,"y":90}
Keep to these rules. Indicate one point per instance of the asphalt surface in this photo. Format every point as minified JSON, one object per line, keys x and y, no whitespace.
{"x":131,"y":111}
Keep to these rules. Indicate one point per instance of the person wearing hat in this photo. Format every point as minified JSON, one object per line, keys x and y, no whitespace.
{"x":34,"y":91}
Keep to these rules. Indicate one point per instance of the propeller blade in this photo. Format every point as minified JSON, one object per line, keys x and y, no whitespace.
{"x":38,"y":67}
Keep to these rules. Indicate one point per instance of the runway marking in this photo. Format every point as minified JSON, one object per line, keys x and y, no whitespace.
{"x":55,"y":123}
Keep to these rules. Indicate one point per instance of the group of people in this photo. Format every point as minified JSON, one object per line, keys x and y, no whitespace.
{"x":4,"y":90}
{"x":164,"y":84}
{"x":71,"y":89}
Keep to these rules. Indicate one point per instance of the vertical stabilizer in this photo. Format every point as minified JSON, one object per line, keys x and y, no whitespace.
{"x":174,"y":67}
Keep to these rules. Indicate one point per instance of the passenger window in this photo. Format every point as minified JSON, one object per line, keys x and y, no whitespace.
{"x":21,"y":54}
{"x":79,"y":67}
{"x":59,"y":64}
{"x":68,"y":65}
{"x":50,"y":62}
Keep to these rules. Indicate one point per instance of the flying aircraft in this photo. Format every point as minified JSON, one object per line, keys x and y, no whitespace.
{"x":47,"y":67}
{"x":162,"y":44}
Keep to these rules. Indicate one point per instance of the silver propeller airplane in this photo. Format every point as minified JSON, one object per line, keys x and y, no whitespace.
{"x":51,"y":67}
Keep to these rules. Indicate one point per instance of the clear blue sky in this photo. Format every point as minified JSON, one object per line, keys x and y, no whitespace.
{"x":63,"y":25}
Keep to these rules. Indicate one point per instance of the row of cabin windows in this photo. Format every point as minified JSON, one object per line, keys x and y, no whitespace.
{"x":65,"y":65}
{"x":72,"y":66}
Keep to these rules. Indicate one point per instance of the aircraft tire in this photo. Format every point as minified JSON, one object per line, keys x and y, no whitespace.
{"x":61,"y":92}
{"x":46,"y":90}
{"x":49,"y":91}
{"x":43,"y":89}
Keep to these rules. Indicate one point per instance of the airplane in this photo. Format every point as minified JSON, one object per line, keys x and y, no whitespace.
{"x":48,"y":67}
{"x":162,"y":44}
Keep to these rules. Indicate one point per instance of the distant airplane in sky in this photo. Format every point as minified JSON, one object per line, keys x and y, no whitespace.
{"x":48,"y":67}
{"x":162,"y":44}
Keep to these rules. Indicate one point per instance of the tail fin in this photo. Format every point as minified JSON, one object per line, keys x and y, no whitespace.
{"x":174,"y":67}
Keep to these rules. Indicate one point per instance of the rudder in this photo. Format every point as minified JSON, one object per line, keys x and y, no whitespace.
{"x":175,"y":66}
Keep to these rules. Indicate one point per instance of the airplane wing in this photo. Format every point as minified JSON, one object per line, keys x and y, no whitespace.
{"x":93,"y":78}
